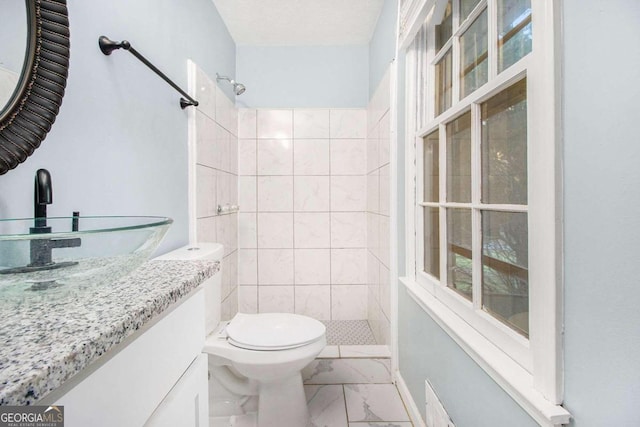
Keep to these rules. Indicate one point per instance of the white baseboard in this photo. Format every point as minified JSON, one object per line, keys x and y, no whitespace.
{"x":409,"y":403}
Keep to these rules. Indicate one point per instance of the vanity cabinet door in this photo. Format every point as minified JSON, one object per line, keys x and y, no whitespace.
{"x":136,"y":377}
{"x":187,"y":403}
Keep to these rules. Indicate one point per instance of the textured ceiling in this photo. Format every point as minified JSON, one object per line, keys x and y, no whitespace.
{"x":300,"y":22}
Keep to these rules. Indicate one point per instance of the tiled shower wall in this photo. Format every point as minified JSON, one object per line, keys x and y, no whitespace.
{"x":378,"y":204}
{"x":216,"y":124}
{"x":302,"y":191}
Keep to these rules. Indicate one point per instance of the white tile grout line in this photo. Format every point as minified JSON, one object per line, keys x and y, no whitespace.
{"x":344,"y":397}
{"x":330,"y":235}
{"x":293,"y":203}
{"x":257,"y":226}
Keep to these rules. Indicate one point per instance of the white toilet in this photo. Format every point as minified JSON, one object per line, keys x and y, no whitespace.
{"x":257,"y":354}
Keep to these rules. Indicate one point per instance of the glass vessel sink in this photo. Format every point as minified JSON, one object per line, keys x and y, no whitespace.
{"x":74,"y":251}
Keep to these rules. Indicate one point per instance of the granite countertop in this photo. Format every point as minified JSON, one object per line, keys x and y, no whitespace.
{"x":46,"y":338}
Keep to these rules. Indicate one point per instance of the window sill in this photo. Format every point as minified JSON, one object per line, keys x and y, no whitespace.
{"x":508,"y":374}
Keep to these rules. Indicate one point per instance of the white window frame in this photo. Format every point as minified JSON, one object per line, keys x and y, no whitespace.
{"x":530,"y":370}
{"x":504,"y":337}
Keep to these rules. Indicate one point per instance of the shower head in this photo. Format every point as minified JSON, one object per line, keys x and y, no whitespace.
{"x":238,"y":88}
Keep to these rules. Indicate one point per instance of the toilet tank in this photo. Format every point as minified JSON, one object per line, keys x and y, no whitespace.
{"x":213,"y":285}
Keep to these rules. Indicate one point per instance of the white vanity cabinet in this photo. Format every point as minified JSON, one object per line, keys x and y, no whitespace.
{"x":157,"y":377}
{"x":187,"y":402}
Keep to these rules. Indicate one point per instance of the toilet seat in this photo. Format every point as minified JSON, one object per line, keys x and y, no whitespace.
{"x":273,"y":331}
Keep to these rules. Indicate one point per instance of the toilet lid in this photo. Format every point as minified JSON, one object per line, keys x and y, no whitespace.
{"x":273,"y":331}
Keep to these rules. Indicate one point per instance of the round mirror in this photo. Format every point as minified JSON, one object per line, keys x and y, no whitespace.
{"x":14,"y":38}
{"x":34,"y":63}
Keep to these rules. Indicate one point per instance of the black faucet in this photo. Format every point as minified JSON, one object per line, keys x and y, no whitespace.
{"x":42,"y":196}
{"x":41,"y":249}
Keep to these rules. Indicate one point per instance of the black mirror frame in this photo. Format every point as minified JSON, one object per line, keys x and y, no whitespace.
{"x":33,"y":110}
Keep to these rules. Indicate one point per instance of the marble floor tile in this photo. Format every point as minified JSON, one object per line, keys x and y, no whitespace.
{"x":326,"y":405}
{"x":374,"y":402}
{"x":347,"y":371}
{"x":365,"y":351}
{"x":247,"y":420}
{"x":382,"y":424}
{"x":329,"y":352}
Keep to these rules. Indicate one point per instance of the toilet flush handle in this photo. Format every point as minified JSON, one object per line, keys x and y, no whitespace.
{"x":222,"y":333}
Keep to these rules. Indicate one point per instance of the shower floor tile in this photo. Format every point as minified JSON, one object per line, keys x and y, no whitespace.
{"x":349,"y":332}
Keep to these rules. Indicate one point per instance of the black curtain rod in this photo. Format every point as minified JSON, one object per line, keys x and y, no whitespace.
{"x":107,"y":46}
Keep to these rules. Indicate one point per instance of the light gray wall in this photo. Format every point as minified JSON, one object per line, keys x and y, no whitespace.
{"x":317,"y":76}
{"x":470,"y":396}
{"x":601,"y":237}
{"x":382,"y":47}
{"x":119,"y":145}
{"x":307,"y":76}
{"x":602,"y":211}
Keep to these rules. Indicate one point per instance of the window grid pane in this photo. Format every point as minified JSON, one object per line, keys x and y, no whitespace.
{"x":466,"y":7}
{"x":514,"y":31}
{"x":445,"y":29}
{"x":431,"y":167}
{"x":482,"y":244}
{"x":459,"y":252}
{"x":474,"y":64}
{"x":444,"y":83}
{"x":504,"y":146}
{"x":459,"y":159}
{"x":505,"y":261}
{"x":432,"y":241}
